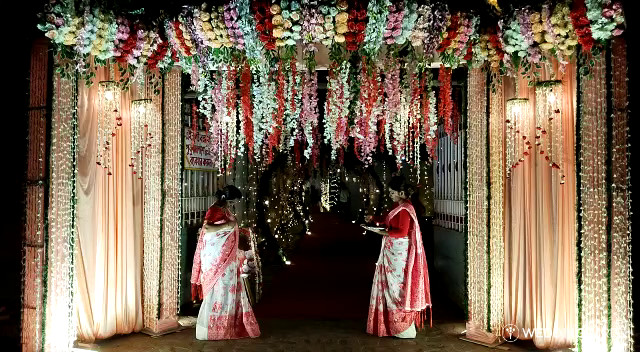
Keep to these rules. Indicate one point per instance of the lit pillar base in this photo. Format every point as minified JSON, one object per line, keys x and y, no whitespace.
{"x":164,"y":327}
{"x":477,"y":334}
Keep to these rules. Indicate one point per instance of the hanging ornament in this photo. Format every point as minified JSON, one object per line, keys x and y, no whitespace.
{"x":549,"y":124}
{"x":518,"y":141}
{"x":109,"y":122}
{"x":445,"y":107}
{"x":143,"y":123}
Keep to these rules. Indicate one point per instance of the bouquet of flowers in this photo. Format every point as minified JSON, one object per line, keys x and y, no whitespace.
{"x":341,"y":21}
{"x":514,"y":41}
{"x":496,"y":53}
{"x":606,"y":18}
{"x":581,"y":24}
{"x":105,"y":35}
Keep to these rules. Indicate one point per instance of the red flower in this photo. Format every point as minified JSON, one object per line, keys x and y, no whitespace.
{"x":270,"y":45}
{"x":352,"y":46}
{"x":352,"y":26}
{"x":362,"y":14}
{"x":361,"y":26}
{"x":360,"y":37}
{"x":268,"y":25}
{"x":353,"y":14}
{"x":260,"y":27}
{"x":349,"y":37}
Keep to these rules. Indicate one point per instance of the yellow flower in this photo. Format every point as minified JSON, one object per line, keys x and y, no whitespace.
{"x":568,"y":52}
{"x":339,"y":38}
{"x":206,"y":26}
{"x":343,"y":5}
{"x":572,"y":42}
{"x":546,"y":46}
{"x":275,"y":9}
{"x":277,"y":20}
{"x":342,"y":17}
{"x":228,"y":44}
{"x":341,"y":28}
{"x":205,"y":16}
{"x":537,"y":28}
{"x":287,"y":24}
{"x":538,"y":37}
{"x":278,"y":32}
{"x":216,"y":44}
{"x":535,"y":17}
{"x":280,"y":42}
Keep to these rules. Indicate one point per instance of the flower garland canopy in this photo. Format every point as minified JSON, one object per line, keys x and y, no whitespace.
{"x":209,"y":36}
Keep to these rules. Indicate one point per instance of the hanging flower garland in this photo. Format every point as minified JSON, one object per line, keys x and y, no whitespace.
{"x":451,"y":34}
{"x":429,"y":114}
{"x":231,"y":16}
{"x":247,"y":111}
{"x":377,"y":11}
{"x":265,"y":106}
{"x":606,"y":19}
{"x":356,"y":25}
{"x":412,"y":99}
{"x":106,"y":29}
{"x":394,"y":22}
{"x":182,"y":38}
{"x":222,"y":33}
{"x":263,"y":14}
{"x":202,"y":25}
{"x":514,"y":42}
{"x":494,"y":45}
{"x":341,"y":18}
{"x":325,"y":34}
{"x":286,"y":24}
{"x":337,"y":109}
{"x":526,"y":18}
{"x":293,"y":103}
{"x":559,"y":31}
{"x":581,"y":24}
{"x":431,"y":23}
{"x":158,"y":54}
{"x":445,"y":103}
{"x":231,"y":76}
{"x":480,"y":50}
{"x":276,"y":133}
{"x":252,"y":45}
{"x":391,"y":126}
{"x":368,"y":111}
{"x":309,"y":113}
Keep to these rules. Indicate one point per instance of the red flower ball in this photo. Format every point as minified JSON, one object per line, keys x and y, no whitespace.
{"x":361,"y":26}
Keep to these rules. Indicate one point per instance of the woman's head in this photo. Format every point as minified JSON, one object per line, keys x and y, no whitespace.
{"x":399,"y":189}
{"x":227,"y":195}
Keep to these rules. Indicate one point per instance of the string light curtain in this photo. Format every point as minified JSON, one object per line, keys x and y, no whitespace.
{"x":621,"y":299}
{"x":147,"y":114}
{"x":478,"y":233}
{"x":548,"y":139}
{"x":109,"y":122}
{"x":593,"y":204}
{"x":171,"y":217}
{"x":60,"y":328}
{"x":33,"y":286}
{"x":517,"y":136}
{"x":540,"y":228}
{"x":496,"y":230}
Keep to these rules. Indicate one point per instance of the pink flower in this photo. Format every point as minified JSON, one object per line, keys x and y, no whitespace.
{"x":397,"y":32}
{"x":616,"y":32}
{"x":387,"y":33}
{"x":608,"y":13}
{"x":389,"y":41}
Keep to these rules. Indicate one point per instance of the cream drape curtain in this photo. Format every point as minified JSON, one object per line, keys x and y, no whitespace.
{"x":109,"y":247}
{"x":540,"y":232}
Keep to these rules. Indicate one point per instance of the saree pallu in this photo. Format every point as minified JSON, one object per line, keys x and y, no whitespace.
{"x":225,"y":312}
{"x":400,"y":294}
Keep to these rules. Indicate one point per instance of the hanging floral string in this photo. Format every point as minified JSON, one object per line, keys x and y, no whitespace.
{"x":356,"y":25}
{"x":368,"y":111}
{"x":336,"y":130}
{"x":293,"y":102}
{"x":264,"y":107}
{"x":445,"y":103}
{"x":581,"y":24}
{"x":431,"y":23}
{"x":391,"y":128}
{"x":412,"y":99}
{"x":263,"y":14}
{"x":309,"y":113}
{"x":377,"y":11}
{"x":230,"y":15}
{"x":247,"y":111}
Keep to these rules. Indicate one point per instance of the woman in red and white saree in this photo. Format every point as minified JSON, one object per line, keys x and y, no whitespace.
{"x":400,"y":293}
{"x":225,"y":312}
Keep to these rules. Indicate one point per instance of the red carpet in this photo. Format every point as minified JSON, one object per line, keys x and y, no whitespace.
{"x":329,"y":277}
